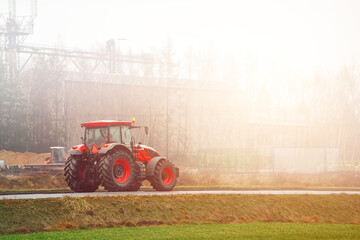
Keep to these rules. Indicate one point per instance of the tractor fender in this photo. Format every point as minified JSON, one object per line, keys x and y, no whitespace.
{"x":78,"y":150}
{"x":110,"y":146}
{"x":150,"y":167}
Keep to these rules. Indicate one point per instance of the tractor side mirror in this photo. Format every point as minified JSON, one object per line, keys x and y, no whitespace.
{"x":146,"y":130}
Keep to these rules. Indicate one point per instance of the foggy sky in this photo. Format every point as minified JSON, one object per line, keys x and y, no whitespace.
{"x":302,"y":34}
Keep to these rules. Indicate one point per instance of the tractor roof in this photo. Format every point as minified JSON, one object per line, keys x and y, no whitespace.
{"x":105,"y":123}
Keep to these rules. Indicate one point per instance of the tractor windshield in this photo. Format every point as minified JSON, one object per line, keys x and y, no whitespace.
{"x":114,"y":135}
{"x":97,"y":136}
{"x":125,"y":134}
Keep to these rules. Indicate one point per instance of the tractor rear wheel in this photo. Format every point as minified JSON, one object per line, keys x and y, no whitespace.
{"x":164,"y":178}
{"x":79,"y":176}
{"x":117,"y":171}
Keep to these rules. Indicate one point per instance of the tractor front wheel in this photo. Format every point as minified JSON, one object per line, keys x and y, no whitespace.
{"x":117,"y":171}
{"x":79,"y":175}
{"x":164,"y":178}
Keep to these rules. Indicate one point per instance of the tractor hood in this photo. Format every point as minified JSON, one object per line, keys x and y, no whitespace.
{"x":145,"y":147}
{"x":144,"y":152}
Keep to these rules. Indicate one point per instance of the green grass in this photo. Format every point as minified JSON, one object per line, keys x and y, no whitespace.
{"x":210,"y":231}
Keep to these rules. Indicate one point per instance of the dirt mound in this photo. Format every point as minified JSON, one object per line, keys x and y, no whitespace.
{"x":17,"y":158}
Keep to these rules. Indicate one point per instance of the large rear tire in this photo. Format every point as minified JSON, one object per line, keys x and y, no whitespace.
{"x":79,"y":176}
{"x":164,"y":178}
{"x":117,"y":171}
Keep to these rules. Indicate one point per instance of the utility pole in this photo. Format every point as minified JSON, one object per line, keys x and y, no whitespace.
{"x":167,"y":113}
{"x":13,"y":31}
{"x":119,"y":55}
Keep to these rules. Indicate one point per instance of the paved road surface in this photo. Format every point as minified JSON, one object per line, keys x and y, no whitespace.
{"x":143,"y":193}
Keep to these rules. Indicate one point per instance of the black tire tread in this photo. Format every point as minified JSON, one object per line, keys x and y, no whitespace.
{"x":72,"y":178}
{"x":106,"y":171}
{"x":156,"y":181}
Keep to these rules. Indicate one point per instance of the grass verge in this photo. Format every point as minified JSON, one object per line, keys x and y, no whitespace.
{"x":211,"y":231}
{"x":67,"y":213}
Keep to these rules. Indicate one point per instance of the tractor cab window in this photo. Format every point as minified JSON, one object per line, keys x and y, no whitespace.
{"x":125,"y":134}
{"x":114,"y":135}
{"x":97,"y":136}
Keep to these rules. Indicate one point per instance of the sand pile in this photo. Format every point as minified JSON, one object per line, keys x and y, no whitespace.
{"x":16,"y":158}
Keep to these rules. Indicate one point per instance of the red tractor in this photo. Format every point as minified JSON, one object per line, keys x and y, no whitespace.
{"x":109,"y":157}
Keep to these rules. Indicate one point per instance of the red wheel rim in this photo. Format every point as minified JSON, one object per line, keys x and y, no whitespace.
{"x":167,"y":175}
{"x":121,"y":170}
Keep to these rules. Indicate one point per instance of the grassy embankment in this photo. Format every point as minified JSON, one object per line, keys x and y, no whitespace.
{"x":25,"y":216}
{"x":211,"y":231}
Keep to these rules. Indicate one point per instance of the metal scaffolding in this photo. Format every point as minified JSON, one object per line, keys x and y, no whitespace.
{"x":16,"y":56}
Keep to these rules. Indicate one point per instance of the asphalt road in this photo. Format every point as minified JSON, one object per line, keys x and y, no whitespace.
{"x":144,"y":193}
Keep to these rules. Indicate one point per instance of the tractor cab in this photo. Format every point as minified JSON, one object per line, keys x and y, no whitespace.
{"x":58,"y":155}
{"x":99,"y":133}
{"x":103,"y":135}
